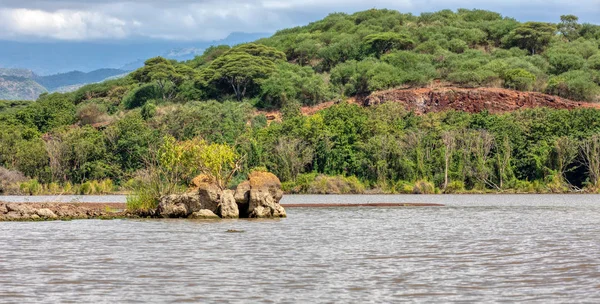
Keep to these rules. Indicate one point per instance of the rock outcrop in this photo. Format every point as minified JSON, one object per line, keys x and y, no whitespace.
{"x":258,"y":197}
{"x":494,"y":100}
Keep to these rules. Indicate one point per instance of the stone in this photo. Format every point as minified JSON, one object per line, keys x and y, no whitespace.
{"x":242,"y":193}
{"x":172,"y":206}
{"x":266,"y":181}
{"x":228,"y":207}
{"x":204,"y":214}
{"x":34,"y":217}
{"x":13,"y":216}
{"x":263,"y":205}
{"x":3,"y":209}
{"x":46,"y":213}
{"x":20,"y":208}
{"x":209,"y":196}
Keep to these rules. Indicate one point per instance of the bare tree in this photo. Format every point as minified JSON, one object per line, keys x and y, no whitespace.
{"x":503,"y":156}
{"x":590,"y":156}
{"x":566,"y":150}
{"x":449,"y":140}
{"x":58,"y":156}
{"x":291,"y":157}
{"x":481,"y":148}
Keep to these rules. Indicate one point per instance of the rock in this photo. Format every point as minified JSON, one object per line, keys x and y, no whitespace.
{"x":34,"y":217}
{"x":228,"y":207}
{"x":266,"y":181}
{"x":46,"y":213}
{"x":204,"y":214}
{"x":13,"y":216}
{"x":3,"y":209}
{"x":173,"y":206}
{"x":263,"y":205}
{"x":20,"y":208}
{"x":209,"y":196}
{"x":242,"y":193}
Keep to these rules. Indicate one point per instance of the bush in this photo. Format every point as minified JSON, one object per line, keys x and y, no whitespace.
{"x":140,"y":95}
{"x":455,"y":187}
{"x":423,"y":187}
{"x":519,"y":79}
{"x":594,"y":62}
{"x":10,"y":180}
{"x":576,"y":85}
{"x":336,"y":185}
{"x":32,"y":187}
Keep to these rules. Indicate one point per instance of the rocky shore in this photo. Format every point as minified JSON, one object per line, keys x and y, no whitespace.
{"x":258,"y":197}
{"x":60,"y":211}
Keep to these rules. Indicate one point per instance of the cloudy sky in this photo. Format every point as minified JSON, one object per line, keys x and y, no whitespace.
{"x":205,"y":20}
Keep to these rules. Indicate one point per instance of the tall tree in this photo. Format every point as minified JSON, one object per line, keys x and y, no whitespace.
{"x":532,"y":36}
{"x":243,"y":67}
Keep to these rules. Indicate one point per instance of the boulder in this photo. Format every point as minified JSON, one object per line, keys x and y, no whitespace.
{"x":263,"y":205}
{"x":265,"y":194}
{"x":13,"y":216}
{"x":266,"y":181}
{"x":209,"y":196}
{"x":242,"y":193}
{"x":228,"y":207}
{"x":20,"y":208}
{"x":45,"y":213}
{"x":204,"y":214}
{"x":173,"y":206}
{"x":3,"y":209}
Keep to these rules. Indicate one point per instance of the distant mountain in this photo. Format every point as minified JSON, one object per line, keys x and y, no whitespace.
{"x":17,"y":73}
{"x":53,"y":82}
{"x":47,"y":58}
{"x":21,"y":84}
{"x":19,"y":88}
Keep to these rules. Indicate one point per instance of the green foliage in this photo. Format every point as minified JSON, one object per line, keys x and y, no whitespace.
{"x":519,"y":79}
{"x":532,"y":36}
{"x":292,"y":82}
{"x":576,"y":85}
{"x":383,"y":43}
{"x":243,"y":67}
{"x":140,"y":95}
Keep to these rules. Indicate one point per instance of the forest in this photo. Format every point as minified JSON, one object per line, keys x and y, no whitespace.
{"x":208,"y":114}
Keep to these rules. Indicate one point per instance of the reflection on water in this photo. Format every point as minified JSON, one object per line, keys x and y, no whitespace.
{"x":544,"y":249}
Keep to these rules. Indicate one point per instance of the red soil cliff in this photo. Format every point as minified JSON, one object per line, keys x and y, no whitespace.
{"x":494,"y":100}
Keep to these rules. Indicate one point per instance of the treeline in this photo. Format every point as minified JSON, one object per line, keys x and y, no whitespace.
{"x":110,"y":130}
{"x":383,"y":147}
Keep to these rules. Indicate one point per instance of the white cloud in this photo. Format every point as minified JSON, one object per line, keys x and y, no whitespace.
{"x":214,"y":19}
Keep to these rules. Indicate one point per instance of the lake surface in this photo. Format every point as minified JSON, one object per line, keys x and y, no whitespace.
{"x":511,"y":248}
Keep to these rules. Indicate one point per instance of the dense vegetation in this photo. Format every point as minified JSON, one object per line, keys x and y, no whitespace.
{"x":114,"y":130}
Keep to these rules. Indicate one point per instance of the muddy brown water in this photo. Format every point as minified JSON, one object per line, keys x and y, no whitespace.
{"x":511,"y":248}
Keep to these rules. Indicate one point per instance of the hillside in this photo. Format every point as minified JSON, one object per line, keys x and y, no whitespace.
{"x":454,"y":100}
{"x":21,"y":84}
{"x":19,"y":88}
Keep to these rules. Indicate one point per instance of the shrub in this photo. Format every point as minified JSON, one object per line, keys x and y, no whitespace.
{"x":32,"y":187}
{"x":423,"y":187}
{"x":455,"y":187}
{"x":336,"y":185}
{"x":519,"y":79}
{"x":140,"y":95}
{"x":10,"y":180}
{"x":594,"y":62}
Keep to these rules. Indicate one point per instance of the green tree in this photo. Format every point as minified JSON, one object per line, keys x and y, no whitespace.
{"x":243,"y":67}
{"x":532,"y":36}
{"x":164,"y":73}
{"x":569,"y":27}
{"x":383,"y":43}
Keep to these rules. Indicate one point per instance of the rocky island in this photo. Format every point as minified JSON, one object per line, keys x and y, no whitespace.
{"x":257,"y":197}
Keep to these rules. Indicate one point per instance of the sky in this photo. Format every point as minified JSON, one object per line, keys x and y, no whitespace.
{"x":207,"y":20}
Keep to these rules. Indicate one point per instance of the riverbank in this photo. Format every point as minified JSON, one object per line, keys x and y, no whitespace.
{"x":62,"y":211}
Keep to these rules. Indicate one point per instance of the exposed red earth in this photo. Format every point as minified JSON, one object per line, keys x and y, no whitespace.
{"x":472,"y":100}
